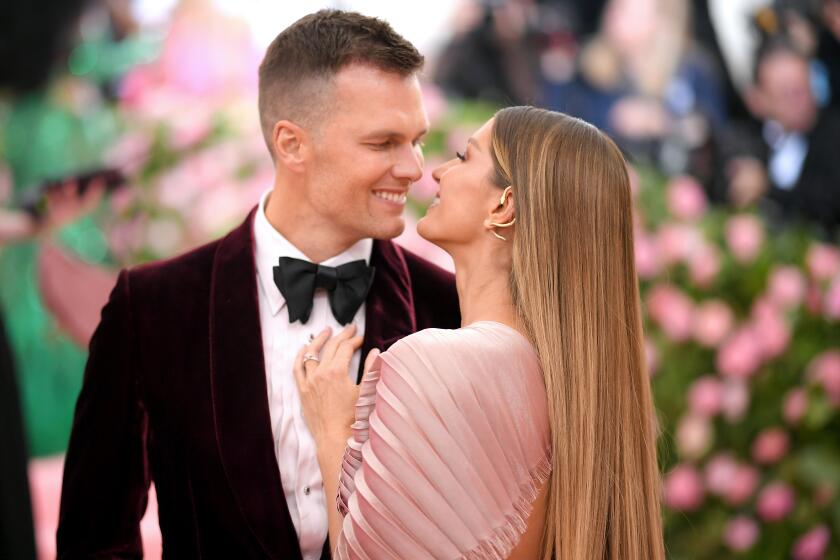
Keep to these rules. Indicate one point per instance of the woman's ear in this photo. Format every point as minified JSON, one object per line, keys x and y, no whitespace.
{"x":290,"y":144}
{"x":504,"y":213}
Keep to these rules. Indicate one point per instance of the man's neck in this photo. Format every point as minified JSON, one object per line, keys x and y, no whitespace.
{"x":315,"y":239}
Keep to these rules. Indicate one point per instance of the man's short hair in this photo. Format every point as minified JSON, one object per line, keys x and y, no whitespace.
{"x":299,"y":64}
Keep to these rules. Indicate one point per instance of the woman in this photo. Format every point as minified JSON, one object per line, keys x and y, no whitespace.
{"x":529,"y":432}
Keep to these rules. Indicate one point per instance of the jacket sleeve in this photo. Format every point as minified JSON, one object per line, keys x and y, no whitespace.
{"x":106,"y":478}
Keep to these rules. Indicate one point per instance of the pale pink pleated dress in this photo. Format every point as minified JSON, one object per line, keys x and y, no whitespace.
{"x":449,"y":448}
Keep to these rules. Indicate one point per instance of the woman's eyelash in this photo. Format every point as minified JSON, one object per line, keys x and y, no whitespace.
{"x":460,"y":156}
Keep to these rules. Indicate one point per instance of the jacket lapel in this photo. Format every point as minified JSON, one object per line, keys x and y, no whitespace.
{"x":240,"y":399}
{"x":389,"y":308}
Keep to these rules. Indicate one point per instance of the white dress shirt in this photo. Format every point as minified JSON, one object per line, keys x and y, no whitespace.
{"x":293,"y":443}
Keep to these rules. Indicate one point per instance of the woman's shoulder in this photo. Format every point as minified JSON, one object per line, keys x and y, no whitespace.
{"x":487,"y":337}
{"x":467,"y":361}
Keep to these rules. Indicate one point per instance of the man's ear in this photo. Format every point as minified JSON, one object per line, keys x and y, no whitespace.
{"x":503,"y":210}
{"x":290,"y":143}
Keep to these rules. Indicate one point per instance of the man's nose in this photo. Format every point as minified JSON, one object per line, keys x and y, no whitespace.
{"x":409,"y":164}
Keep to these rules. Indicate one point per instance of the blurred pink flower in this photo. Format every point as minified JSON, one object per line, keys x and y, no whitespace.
{"x":786,"y":287}
{"x":771,"y":329}
{"x":814,"y":298}
{"x":770,"y":446}
{"x":719,"y":473}
{"x":736,"y":399}
{"x":775,"y":502}
{"x":683,"y":488}
{"x":823,"y":261}
{"x":694,"y":436}
{"x":713,"y":321}
{"x":742,"y":486}
{"x":825,"y":370}
{"x":795,"y":405}
{"x":652,"y":356}
{"x":686,"y":199}
{"x":675,"y":242}
{"x":672,"y":310}
{"x":740,"y":355}
{"x":812,"y":545}
{"x":740,"y":533}
{"x":832,"y":300}
{"x":704,"y":265}
{"x":647,"y":259}
{"x":744,"y":236}
{"x":705,"y":396}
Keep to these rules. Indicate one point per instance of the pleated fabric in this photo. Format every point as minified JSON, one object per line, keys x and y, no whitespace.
{"x":449,"y":449}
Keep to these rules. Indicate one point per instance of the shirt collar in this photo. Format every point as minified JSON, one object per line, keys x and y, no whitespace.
{"x":271,"y":245}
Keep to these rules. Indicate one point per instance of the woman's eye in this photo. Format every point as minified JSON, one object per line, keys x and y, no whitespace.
{"x":381,"y":145}
{"x":460,"y":156}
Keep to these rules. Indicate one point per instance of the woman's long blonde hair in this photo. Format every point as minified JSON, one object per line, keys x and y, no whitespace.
{"x":575,"y":289}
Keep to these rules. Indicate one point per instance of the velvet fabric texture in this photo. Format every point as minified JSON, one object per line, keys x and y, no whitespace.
{"x":175,"y":393}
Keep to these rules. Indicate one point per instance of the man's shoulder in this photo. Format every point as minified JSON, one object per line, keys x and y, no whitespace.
{"x":193,"y":264}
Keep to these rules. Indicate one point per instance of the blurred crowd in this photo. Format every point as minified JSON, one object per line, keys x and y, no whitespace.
{"x":741,"y":94}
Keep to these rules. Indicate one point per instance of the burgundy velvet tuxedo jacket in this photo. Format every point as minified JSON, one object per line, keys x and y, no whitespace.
{"x":175,"y":393}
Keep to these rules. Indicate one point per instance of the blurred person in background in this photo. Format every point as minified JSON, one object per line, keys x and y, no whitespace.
{"x":787,"y":159}
{"x":646,"y":83}
{"x":17,"y":540}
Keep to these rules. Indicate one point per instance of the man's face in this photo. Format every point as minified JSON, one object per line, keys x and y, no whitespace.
{"x":366,"y":152}
{"x":785,"y":84}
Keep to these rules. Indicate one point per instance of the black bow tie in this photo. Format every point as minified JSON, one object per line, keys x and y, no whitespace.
{"x":347,"y":285}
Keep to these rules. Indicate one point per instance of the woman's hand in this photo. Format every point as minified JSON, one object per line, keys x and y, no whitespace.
{"x":328,"y":394}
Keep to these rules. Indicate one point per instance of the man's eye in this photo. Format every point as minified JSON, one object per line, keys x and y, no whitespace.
{"x":381,"y":145}
{"x":460,"y":156}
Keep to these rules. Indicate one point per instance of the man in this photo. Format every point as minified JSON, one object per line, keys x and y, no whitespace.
{"x":794,"y":141}
{"x":189,"y":382}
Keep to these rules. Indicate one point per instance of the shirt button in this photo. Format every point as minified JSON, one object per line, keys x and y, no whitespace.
{"x":306,"y":490}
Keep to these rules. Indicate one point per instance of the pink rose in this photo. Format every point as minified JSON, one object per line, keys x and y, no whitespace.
{"x":675,"y":242}
{"x":740,"y":533}
{"x":742,"y":486}
{"x":832,"y":300}
{"x":713,"y":321}
{"x":744,"y":236}
{"x":719,"y":472}
{"x":814,"y":299}
{"x":770,"y":328}
{"x":786,"y":287}
{"x":647,"y":258}
{"x":825,"y":369}
{"x":672,"y":310}
{"x":795,"y":405}
{"x":705,"y":396}
{"x":694,"y":436}
{"x":823,"y":261}
{"x":812,"y":545}
{"x":770,"y":446}
{"x":683,"y":488}
{"x":686,"y":199}
{"x":735,"y":399}
{"x":740,"y":355}
{"x":704,"y":265}
{"x":775,"y":502}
